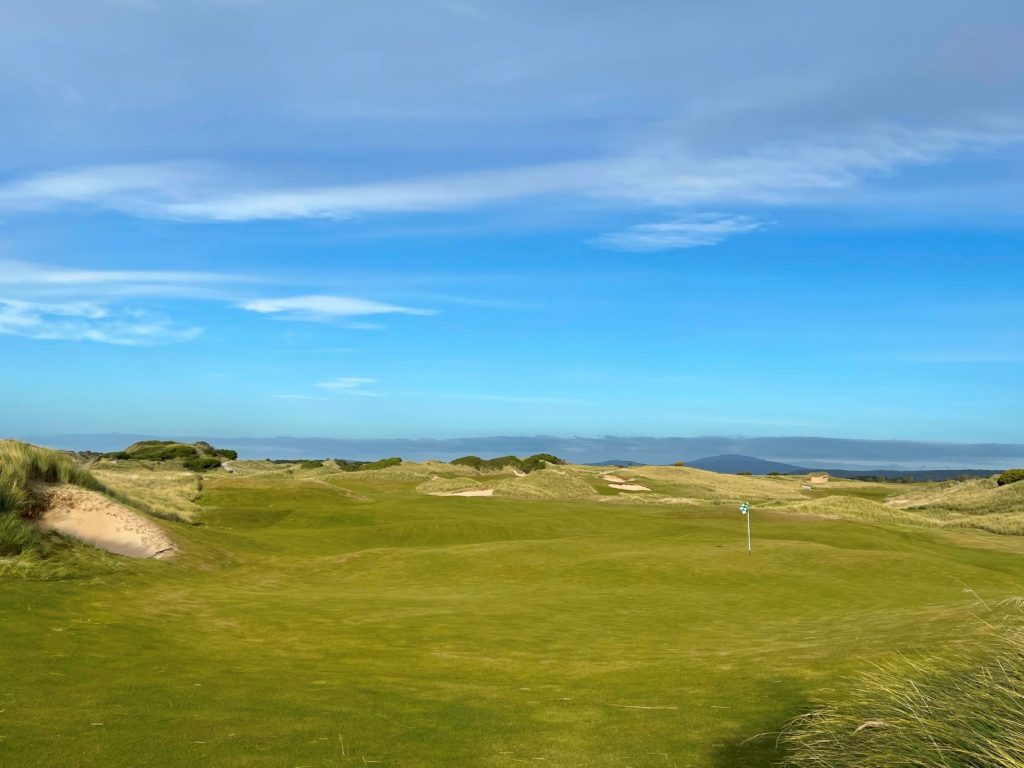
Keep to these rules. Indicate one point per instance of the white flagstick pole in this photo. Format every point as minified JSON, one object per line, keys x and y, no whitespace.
{"x":745,"y":509}
{"x":748,"y":531}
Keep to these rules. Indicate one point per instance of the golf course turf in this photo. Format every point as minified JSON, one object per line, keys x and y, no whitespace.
{"x":349,"y":620}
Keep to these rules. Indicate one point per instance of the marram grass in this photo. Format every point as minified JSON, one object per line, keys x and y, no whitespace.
{"x":964,"y":712}
{"x":23,"y":466}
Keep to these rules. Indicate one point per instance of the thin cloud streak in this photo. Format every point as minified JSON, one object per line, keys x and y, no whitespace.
{"x":318,"y":306}
{"x":685,"y":232}
{"x":350,"y":385}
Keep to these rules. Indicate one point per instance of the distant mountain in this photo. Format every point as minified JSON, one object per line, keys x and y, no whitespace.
{"x":733,"y":463}
{"x":615,"y":463}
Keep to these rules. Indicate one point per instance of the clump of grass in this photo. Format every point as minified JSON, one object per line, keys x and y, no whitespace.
{"x":967,"y":712}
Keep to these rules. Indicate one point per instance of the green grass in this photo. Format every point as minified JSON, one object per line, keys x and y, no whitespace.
{"x":345,"y":618}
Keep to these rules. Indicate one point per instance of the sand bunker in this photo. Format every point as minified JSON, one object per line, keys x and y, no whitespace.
{"x":628,"y":487}
{"x":471,"y":492}
{"x":613,"y":478}
{"x":94,"y":518}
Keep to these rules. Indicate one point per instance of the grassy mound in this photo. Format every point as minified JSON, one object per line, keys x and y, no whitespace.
{"x":197,"y":457}
{"x":22,"y":467}
{"x":441,"y":485}
{"x":968,"y":713}
{"x":684,"y":482}
{"x":545,"y":484}
{"x":979,"y":504}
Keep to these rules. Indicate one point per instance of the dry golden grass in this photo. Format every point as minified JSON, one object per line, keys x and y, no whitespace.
{"x":166,"y":493}
{"x":442,"y":485}
{"x":561,"y":483}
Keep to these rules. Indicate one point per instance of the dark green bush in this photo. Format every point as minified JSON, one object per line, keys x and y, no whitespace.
{"x":311,"y":464}
{"x":394,"y":461}
{"x":226,"y":453}
{"x":201,"y":463}
{"x":529,"y":464}
{"x":1010,"y":476}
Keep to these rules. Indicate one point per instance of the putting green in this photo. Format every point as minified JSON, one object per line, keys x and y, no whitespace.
{"x":307,"y":624}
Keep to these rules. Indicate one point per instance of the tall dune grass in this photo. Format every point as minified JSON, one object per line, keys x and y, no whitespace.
{"x":967,"y":712}
{"x":21,"y":467}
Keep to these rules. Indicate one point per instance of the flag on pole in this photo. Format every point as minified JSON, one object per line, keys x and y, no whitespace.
{"x":744,"y":507}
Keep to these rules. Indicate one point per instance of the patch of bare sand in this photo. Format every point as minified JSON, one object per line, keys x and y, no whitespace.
{"x":628,"y":487}
{"x":471,"y":492}
{"x":104,"y":523}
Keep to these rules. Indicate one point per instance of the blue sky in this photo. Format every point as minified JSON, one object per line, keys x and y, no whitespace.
{"x":468,"y":218}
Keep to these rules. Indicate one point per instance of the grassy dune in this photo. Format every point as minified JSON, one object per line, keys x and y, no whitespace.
{"x":22,"y":468}
{"x":333,"y":619}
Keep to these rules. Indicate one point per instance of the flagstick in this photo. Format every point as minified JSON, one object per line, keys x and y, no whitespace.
{"x":748,"y":531}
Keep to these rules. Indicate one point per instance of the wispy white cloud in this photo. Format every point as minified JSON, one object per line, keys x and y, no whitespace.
{"x":684,"y":232}
{"x":53,"y":302}
{"x":14,"y":272}
{"x":350,"y":385}
{"x":84,"y":321}
{"x":322,"y":307}
{"x":661,"y":173}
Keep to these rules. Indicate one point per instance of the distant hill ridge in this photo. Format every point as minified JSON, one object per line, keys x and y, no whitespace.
{"x":735,"y":463}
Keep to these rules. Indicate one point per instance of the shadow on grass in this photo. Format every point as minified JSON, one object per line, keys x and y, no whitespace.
{"x":759,"y":747}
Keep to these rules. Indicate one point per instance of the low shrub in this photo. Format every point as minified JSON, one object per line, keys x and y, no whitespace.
{"x":1010,"y":476}
{"x":311,"y":464}
{"x":529,"y":464}
{"x":201,"y":463}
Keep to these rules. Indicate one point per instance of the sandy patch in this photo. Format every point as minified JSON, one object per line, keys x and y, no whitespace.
{"x":471,"y":492}
{"x":628,"y":487}
{"x":614,"y":479}
{"x":104,"y":523}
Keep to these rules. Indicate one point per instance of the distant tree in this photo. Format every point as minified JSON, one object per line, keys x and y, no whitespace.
{"x":1010,"y":476}
{"x":774,"y":474}
{"x":679,"y":464}
{"x":745,"y":474}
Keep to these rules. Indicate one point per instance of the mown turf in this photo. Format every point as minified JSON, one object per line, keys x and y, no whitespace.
{"x":348,"y":620}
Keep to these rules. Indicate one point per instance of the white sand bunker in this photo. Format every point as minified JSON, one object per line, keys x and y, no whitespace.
{"x":628,"y":487}
{"x":94,"y":518}
{"x":613,"y":478}
{"x":470,"y":492}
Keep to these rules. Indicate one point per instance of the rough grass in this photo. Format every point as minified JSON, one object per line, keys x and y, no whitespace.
{"x":545,"y":484}
{"x":962,"y":504}
{"x":447,"y":485}
{"x":170,"y":494}
{"x":966,"y":711}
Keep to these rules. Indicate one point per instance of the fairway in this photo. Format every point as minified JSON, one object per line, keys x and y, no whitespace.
{"x":349,"y":620}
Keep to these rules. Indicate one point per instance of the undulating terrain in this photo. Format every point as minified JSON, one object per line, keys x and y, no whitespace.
{"x":577,"y":616}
